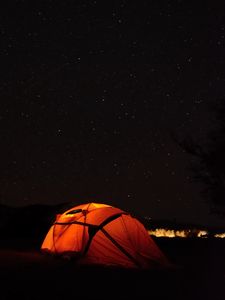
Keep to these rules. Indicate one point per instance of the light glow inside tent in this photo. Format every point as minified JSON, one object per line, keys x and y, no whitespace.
{"x":96,"y":233}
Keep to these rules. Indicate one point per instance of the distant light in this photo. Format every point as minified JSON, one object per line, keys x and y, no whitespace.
{"x":170,"y":233}
{"x":220,"y":235}
{"x":202,"y":233}
{"x":185,"y":233}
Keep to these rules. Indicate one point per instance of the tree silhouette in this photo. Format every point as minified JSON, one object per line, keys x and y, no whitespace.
{"x":208,"y":164}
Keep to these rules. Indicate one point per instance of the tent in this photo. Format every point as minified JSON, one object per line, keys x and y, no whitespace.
{"x":101,"y":234}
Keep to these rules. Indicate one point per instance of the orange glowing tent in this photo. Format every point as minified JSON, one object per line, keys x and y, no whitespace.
{"x":101,"y":234}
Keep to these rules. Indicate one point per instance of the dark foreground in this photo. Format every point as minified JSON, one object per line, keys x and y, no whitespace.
{"x":199,"y":274}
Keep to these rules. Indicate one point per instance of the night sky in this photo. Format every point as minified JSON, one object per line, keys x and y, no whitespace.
{"x":91,"y":93}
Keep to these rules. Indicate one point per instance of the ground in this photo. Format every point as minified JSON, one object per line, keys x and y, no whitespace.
{"x":199,"y":273}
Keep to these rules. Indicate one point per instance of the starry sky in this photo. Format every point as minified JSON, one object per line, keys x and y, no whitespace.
{"x":91,"y":93}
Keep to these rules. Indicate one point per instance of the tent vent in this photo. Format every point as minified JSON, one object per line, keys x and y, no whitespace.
{"x":75,"y":211}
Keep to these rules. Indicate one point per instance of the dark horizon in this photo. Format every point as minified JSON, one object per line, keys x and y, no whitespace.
{"x":157,"y":220}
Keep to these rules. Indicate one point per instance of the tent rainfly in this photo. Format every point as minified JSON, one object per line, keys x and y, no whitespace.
{"x":101,"y":234}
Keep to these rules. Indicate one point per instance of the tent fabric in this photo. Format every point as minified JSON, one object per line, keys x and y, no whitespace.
{"x":102,"y":234}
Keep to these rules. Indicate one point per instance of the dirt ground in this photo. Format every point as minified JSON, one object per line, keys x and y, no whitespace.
{"x":199,"y":274}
